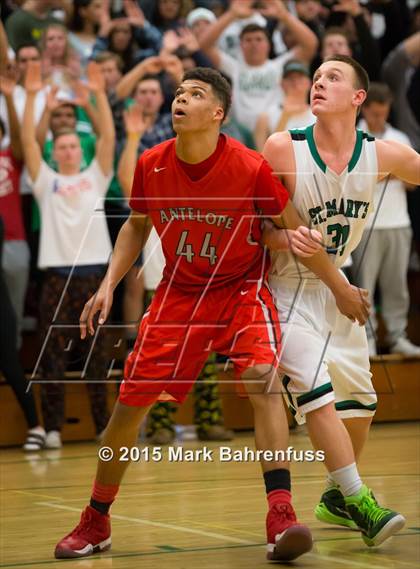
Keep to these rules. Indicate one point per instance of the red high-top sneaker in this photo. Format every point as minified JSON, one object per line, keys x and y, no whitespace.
{"x":92,"y":535}
{"x":286,"y":538}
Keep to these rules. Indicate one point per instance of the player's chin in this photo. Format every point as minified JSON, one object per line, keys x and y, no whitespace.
{"x":180,"y":127}
{"x":316,"y":108}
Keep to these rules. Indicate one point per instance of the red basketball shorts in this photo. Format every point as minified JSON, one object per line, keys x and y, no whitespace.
{"x":181,"y":329}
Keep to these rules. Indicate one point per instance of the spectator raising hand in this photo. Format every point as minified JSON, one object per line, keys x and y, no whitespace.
{"x":351,"y":7}
{"x":136,"y":124}
{"x":135,"y":15}
{"x":242,"y":8}
{"x":173,"y":66}
{"x":96,"y":80}
{"x":7,"y":83}
{"x":188,"y":40}
{"x":33,"y":79}
{"x":150,"y":66}
{"x":134,"y":120}
{"x":171,"y":42}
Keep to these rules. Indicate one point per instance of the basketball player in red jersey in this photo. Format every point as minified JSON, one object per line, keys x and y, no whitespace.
{"x":203,"y":192}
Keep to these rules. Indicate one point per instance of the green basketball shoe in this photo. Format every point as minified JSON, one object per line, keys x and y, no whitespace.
{"x":332,"y":509}
{"x":376,"y":523}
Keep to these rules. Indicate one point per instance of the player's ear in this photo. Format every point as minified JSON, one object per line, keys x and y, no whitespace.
{"x":359,"y":97}
{"x":219,"y":113}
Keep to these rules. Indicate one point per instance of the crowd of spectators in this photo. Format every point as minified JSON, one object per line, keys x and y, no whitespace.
{"x":86,"y":87}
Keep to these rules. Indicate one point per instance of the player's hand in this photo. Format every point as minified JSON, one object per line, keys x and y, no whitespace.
{"x":354,"y":303}
{"x":101,"y":302}
{"x":305,"y":242}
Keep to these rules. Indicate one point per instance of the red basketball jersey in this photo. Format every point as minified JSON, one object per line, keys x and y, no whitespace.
{"x":210,"y":228}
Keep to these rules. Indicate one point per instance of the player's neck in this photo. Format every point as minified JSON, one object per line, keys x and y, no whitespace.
{"x":194,"y":148}
{"x":335,"y":136}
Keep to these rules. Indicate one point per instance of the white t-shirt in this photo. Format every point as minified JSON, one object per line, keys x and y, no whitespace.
{"x":254,"y":88}
{"x":73,"y":228}
{"x":229,"y":41}
{"x":392,"y":211}
{"x":302,"y":120}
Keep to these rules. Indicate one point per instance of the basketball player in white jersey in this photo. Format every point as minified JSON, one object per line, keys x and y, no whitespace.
{"x":331,"y":171}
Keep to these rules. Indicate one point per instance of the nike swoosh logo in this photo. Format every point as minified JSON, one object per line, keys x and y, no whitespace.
{"x":160,"y":169}
{"x":243,"y":292}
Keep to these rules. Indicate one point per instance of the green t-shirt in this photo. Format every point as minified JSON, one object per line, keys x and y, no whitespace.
{"x":23,"y":27}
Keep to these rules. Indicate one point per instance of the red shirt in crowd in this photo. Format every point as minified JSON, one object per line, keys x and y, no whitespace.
{"x":10,"y":206}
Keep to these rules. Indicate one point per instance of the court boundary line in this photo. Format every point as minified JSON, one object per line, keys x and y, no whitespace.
{"x":143,"y":521}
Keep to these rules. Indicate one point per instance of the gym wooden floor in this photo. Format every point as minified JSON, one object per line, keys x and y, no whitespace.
{"x":201,"y":515}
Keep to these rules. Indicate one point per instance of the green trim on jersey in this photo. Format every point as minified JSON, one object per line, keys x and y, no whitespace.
{"x":297,"y":134}
{"x":314,"y":394}
{"x":350,"y":404}
{"x":357,"y":150}
{"x":286,"y":380}
{"x":316,"y":156}
{"x":313,"y":148}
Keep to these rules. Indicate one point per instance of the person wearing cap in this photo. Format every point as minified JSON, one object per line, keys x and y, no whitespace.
{"x":199,"y":20}
{"x":294,"y":111}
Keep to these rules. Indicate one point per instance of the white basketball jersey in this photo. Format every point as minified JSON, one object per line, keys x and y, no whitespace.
{"x":336,"y":205}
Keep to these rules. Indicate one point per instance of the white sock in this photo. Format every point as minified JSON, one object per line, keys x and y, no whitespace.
{"x":348,"y":479}
{"x":330,"y":482}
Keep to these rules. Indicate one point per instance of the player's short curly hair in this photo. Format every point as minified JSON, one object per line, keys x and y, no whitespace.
{"x":220,"y":87}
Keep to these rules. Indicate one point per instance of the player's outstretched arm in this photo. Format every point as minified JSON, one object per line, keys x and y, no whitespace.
{"x":131,"y":240}
{"x":399,"y":160}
